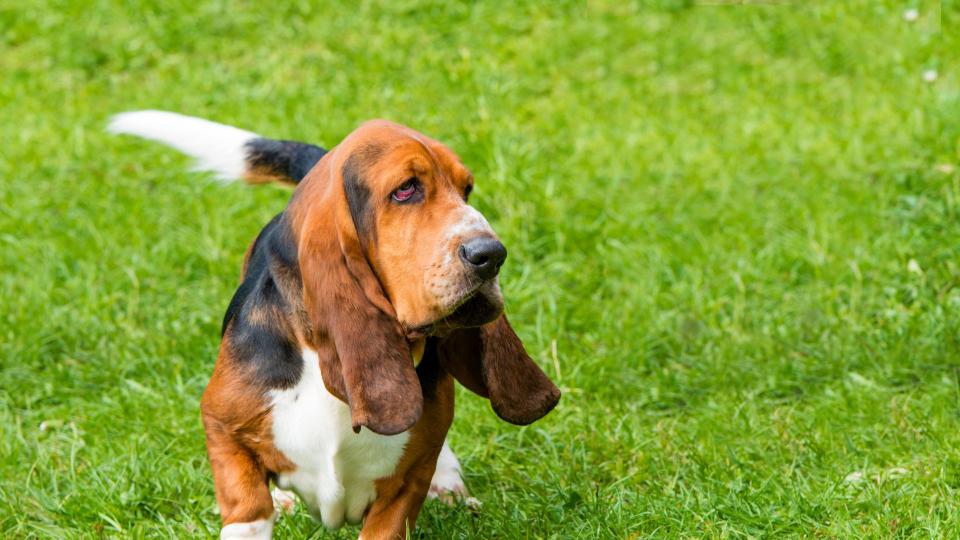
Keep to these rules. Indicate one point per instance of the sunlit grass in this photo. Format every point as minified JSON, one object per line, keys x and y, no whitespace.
{"x":734,"y":237}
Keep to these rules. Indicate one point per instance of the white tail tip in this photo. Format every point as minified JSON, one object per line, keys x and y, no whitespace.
{"x":217,"y":148}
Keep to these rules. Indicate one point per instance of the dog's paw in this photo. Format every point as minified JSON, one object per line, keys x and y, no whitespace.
{"x":447,"y":484}
{"x":448,"y":487}
{"x":452,"y":497}
{"x":284,"y":502}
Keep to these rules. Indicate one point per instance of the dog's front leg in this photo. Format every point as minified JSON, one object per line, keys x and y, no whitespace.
{"x":398,"y":503}
{"x":242,"y":490}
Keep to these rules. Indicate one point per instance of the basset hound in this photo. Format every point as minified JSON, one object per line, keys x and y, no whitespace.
{"x":359,"y":305}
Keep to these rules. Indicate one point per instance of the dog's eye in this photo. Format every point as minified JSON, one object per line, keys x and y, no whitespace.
{"x":467,"y":191}
{"x":406,"y":191}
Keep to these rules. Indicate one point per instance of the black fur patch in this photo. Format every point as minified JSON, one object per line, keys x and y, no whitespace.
{"x":255,"y":265}
{"x":358,"y":199}
{"x":281,"y":247}
{"x":259,"y":336}
{"x":289,"y":159}
{"x":266,"y":345}
{"x":428,"y":370}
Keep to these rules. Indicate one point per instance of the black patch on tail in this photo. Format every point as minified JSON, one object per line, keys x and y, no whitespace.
{"x":287,"y":159}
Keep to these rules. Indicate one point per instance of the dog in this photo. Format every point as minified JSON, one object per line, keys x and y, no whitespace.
{"x":358,"y":307}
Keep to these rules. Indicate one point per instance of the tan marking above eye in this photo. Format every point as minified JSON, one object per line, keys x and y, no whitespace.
{"x":418,"y":167}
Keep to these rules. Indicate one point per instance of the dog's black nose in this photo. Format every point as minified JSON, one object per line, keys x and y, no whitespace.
{"x":483,"y":255}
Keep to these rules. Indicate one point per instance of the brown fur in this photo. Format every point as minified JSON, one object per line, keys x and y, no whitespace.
{"x":400,"y":496}
{"x":388,"y":155}
{"x":354,"y":298}
{"x":492,"y":363}
{"x":236,"y":418}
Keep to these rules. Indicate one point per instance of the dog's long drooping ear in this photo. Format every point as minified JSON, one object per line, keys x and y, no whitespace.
{"x":364,"y":357}
{"x":491,"y":362}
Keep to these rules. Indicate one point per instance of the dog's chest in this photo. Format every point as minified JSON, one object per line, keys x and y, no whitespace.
{"x":336,"y":468}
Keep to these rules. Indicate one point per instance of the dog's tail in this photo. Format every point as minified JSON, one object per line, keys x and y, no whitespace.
{"x":228,"y":152}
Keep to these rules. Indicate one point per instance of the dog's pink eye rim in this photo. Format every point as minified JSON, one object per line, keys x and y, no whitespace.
{"x":405,"y":191}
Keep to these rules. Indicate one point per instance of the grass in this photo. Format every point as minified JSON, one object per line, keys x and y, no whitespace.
{"x":734,"y":238}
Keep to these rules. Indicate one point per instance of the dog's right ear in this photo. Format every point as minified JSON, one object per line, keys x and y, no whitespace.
{"x":364,"y":356}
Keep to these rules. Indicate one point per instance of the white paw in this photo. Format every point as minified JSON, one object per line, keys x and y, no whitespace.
{"x":447,"y":483}
{"x":284,"y":502}
{"x":255,"y":530}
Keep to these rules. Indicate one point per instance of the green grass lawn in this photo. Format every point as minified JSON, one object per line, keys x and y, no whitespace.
{"x":734,"y":237}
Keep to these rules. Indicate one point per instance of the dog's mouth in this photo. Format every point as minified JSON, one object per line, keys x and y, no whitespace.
{"x":478,"y":307}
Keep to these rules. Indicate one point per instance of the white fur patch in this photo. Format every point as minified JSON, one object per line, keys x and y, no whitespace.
{"x":447,"y":483}
{"x":218,"y":148}
{"x":262,"y":529}
{"x":471,"y":221}
{"x":447,"y":478}
{"x":336,"y":468}
{"x":284,"y":502}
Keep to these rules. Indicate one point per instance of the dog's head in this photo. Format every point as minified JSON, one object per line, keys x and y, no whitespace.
{"x":391,"y":253}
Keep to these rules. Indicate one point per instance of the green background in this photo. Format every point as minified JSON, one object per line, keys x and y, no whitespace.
{"x":734,"y":236}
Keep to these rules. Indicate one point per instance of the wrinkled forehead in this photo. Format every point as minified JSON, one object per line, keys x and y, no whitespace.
{"x":384,"y":147}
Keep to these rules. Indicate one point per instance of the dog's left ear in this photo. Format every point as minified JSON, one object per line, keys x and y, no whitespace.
{"x":364,"y":357}
{"x":491,"y":362}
